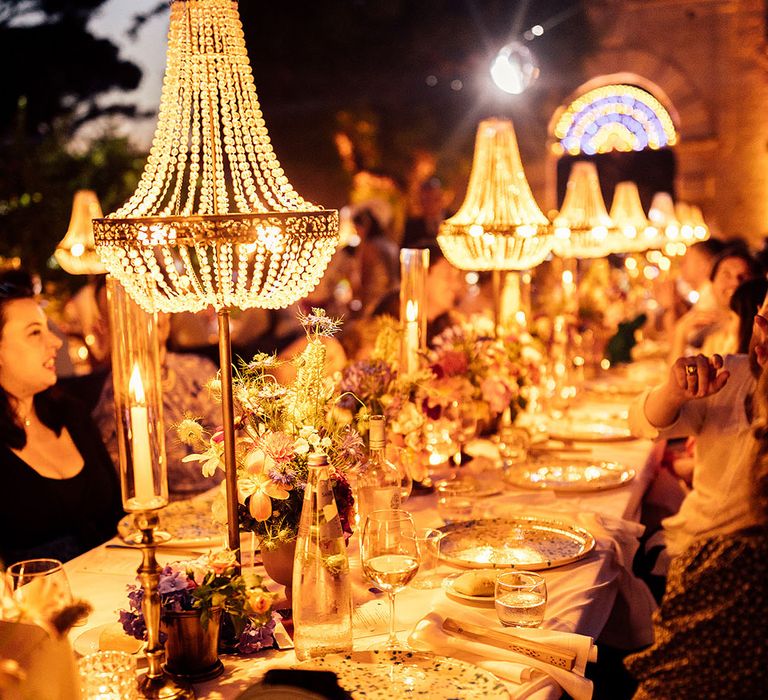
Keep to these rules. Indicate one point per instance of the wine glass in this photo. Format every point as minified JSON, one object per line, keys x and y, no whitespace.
{"x":390,"y":555}
{"x":40,"y":586}
{"x":464,"y":427}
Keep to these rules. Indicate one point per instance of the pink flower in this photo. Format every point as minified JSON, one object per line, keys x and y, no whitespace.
{"x":278,"y":446}
{"x":451,"y":363}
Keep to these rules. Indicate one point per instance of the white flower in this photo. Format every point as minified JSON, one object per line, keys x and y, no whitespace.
{"x":212,"y":458}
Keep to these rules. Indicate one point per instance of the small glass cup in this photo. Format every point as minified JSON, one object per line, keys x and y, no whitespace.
{"x":455,"y":502}
{"x":514,"y":444}
{"x":108,"y":675}
{"x":428,"y":540}
{"x":520,"y":598}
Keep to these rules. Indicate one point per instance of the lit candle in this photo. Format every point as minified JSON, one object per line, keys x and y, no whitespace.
{"x":143,"y":481}
{"x":411,"y":336}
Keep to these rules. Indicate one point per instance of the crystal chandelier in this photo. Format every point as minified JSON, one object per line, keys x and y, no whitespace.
{"x":214,"y":220}
{"x":692,"y":226}
{"x":700,"y":228}
{"x":583,"y":228}
{"x":629,"y":217}
{"x":499,"y":226}
{"x":663,"y":217}
{"x":76,"y":253}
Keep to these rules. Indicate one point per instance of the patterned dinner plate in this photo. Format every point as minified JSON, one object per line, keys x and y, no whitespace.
{"x":529,"y":543}
{"x":570,"y":475}
{"x":384,"y":675}
{"x":189,"y":523}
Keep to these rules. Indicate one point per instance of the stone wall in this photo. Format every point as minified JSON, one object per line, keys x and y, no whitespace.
{"x":707,"y":62}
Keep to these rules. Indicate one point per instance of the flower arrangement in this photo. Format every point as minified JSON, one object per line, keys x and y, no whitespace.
{"x":488,"y":375}
{"x":468,"y":372}
{"x":211,"y":581}
{"x":277,"y":428}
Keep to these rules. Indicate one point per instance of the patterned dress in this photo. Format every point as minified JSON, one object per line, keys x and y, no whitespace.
{"x":184,"y":392}
{"x":712,"y":627}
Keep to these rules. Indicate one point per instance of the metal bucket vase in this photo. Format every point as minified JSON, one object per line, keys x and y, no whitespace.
{"x":191,"y":651}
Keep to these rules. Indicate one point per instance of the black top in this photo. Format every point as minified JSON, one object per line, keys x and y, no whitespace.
{"x":59,"y":518}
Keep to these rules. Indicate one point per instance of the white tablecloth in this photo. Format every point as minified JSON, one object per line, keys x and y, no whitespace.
{"x":581,"y":595}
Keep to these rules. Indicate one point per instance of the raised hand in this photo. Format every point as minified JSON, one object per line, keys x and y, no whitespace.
{"x":698,"y":377}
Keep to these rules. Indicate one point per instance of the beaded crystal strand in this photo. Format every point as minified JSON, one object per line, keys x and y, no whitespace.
{"x":214,"y":220}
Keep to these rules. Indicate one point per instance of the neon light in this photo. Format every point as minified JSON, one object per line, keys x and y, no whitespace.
{"x":615,"y":118}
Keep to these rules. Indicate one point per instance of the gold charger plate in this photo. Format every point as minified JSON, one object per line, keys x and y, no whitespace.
{"x":571,"y":475}
{"x":529,"y":543}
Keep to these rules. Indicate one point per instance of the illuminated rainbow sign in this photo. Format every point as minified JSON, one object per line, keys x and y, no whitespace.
{"x":614,"y":118}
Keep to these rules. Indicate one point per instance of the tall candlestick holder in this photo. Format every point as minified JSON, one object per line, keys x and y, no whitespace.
{"x":154,"y":683}
{"x":143,"y":471}
{"x":414,"y":265}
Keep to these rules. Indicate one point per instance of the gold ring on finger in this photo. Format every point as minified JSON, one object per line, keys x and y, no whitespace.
{"x":691,"y":370}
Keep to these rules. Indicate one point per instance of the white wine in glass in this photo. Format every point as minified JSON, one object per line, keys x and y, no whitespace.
{"x":40,"y":586}
{"x":390,"y":556}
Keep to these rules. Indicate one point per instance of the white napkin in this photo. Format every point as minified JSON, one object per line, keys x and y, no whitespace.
{"x":428,"y":635}
{"x":630,"y":625}
{"x":47,"y":663}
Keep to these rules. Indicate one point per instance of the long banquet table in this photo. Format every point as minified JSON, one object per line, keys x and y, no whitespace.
{"x":581,"y":595}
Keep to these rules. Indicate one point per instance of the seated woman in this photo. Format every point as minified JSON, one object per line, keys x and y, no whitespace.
{"x":61,"y":491}
{"x":710,"y":629}
{"x":716,"y":329}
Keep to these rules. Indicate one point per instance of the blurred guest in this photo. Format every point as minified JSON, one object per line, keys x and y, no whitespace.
{"x":62,"y":495}
{"x":696,"y":270}
{"x":745,"y":302}
{"x":710,"y":629}
{"x":185,"y":393}
{"x":376,"y":261}
{"x":716,"y":327}
{"x":423,"y":227}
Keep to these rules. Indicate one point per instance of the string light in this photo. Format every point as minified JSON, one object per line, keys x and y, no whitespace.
{"x":214,"y":220}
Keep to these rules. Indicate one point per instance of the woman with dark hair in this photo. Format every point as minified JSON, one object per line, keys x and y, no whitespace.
{"x":745,"y":302}
{"x":60,"y":492}
{"x":716,"y":328}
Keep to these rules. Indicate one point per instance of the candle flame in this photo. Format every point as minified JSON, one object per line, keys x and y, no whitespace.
{"x":411,"y":310}
{"x":135,"y":387}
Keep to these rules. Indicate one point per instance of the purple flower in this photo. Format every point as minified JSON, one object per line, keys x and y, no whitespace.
{"x":284,"y":478}
{"x":133,"y":624}
{"x":351,"y":448}
{"x":135,"y":596}
{"x":172,"y":581}
{"x":364,"y":380}
{"x":254,"y":638}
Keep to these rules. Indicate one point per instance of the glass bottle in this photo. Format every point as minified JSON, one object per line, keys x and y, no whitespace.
{"x":379,"y":485}
{"x":322,"y":594}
